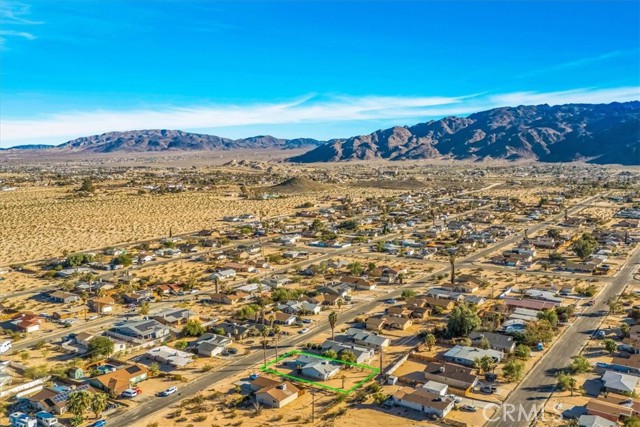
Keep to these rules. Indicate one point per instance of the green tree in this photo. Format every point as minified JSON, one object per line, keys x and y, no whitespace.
{"x":193,"y":328}
{"x":78,"y":403}
{"x":550,"y":316}
{"x":540,"y":331}
{"x":585,"y":246}
{"x":409,"y":293}
{"x":523,"y":351}
{"x":566,"y":382}
{"x":98,"y":403}
{"x":429,"y":341}
{"x":154,"y":368}
{"x":144,"y":308}
{"x":333,"y":320}
{"x":610,"y":345}
{"x":632,"y":421}
{"x":513,"y":370}
{"x":348,"y":356}
{"x":485,"y":363}
{"x":355,"y":268}
{"x":87,"y":186}
{"x":580,"y":365}
{"x":123,"y":259}
{"x":462,"y":321}
{"x":484,"y":344}
{"x":101,"y":347}
{"x":331,"y":354}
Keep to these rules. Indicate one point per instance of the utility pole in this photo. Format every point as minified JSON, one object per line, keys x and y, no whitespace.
{"x":313,"y":406}
{"x":381,"y":359}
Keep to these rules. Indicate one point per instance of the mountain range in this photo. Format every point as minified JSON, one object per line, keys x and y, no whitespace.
{"x":595,"y":133}
{"x":176,"y":140}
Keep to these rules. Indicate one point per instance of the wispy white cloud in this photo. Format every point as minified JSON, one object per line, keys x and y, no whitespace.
{"x":305,"y":110}
{"x":23,"y":34}
{"x":580,"y":62}
{"x":13,"y":17}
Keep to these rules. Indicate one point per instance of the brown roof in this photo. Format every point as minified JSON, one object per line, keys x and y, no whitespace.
{"x":422,"y":397}
{"x":602,"y":407}
{"x":280,"y":391}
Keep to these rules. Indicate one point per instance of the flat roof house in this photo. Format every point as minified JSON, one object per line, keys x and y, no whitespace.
{"x":467,"y":355}
{"x":142,"y":329}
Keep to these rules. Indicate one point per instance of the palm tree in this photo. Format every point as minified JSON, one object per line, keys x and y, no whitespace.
{"x":333,"y":319}
{"x":79,"y":402}
{"x":98,"y":403}
{"x":452,"y":261}
{"x":276,"y":332}
{"x":265,"y":340}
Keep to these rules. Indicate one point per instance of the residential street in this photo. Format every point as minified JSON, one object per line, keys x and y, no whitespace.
{"x":536,"y":388}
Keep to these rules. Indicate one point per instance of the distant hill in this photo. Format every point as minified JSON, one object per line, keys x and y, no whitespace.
{"x":176,"y":140}
{"x":29,"y":147}
{"x":596,"y":133}
{"x":296,"y":185}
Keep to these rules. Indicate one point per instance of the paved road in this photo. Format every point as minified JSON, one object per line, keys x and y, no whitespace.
{"x":537,"y":387}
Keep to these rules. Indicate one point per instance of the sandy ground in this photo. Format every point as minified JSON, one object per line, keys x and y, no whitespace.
{"x":39,"y":222}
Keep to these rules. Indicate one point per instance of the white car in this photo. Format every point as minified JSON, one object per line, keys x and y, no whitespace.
{"x":94,"y":317}
{"x":169,"y":391}
{"x":303,"y":331}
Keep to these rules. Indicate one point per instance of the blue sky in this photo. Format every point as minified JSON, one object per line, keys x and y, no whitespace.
{"x":300,"y":68}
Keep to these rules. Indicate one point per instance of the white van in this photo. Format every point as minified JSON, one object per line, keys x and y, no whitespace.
{"x":129,"y":393}
{"x":5,"y":346}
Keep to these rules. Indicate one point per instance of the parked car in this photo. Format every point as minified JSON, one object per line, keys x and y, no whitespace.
{"x":99,"y":423}
{"x":303,"y":331}
{"x":254,"y":376}
{"x":600,"y":334}
{"x":469,"y":408}
{"x":232,"y":350}
{"x":488,"y":389}
{"x":130,"y":392}
{"x":169,"y":391}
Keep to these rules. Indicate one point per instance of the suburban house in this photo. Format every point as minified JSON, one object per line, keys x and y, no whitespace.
{"x":316,"y":368}
{"x":358,"y":283}
{"x":64,"y":297}
{"x":141,"y":329}
{"x":276,"y":281}
{"x":325,"y":299}
{"x":174,"y":316}
{"x":103,"y":305}
{"x":229,"y":299}
{"x":618,"y":382}
{"x":595,"y":421}
{"x":280,"y":318}
{"x":210,"y":345}
{"x":454,"y":376}
{"x":277,"y":395}
{"x":395,"y":322}
{"x":223,"y":274}
{"x":467,"y":355}
{"x":422,"y":400}
{"x":294,"y":307}
{"x":70,"y":313}
{"x":117,"y":381}
{"x":25,"y":322}
{"x":375,"y":323}
{"x":498,"y":342}
{"x":362,"y":353}
{"x":367,"y":339}
{"x":170,"y":356}
{"x":239,"y":267}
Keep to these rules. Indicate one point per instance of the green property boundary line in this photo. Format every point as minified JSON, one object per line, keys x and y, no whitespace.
{"x":374,"y":371}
